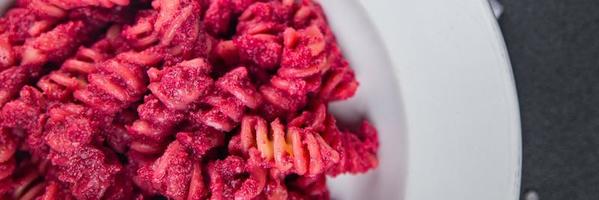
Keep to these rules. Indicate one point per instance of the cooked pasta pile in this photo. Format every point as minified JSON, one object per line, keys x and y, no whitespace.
{"x":183,"y":99}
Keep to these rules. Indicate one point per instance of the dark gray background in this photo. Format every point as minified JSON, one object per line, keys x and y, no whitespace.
{"x":554,"y":48}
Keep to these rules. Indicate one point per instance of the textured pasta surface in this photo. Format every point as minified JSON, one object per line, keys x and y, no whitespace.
{"x":175,"y":99}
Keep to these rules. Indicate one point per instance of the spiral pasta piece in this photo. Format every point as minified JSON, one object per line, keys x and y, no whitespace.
{"x":115,"y":133}
{"x":265,"y":17}
{"x":53,"y":46}
{"x":13,"y":79}
{"x":236,"y":178}
{"x":90,"y":173}
{"x":176,"y":22}
{"x":308,"y":187}
{"x":175,"y":175}
{"x":59,"y":84}
{"x":233,"y":93}
{"x":47,"y":190}
{"x":275,"y":188}
{"x":32,"y":192}
{"x":7,"y":53}
{"x":259,"y":25}
{"x":118,"y":82}
{"x":295,"y":150}
{"x":261,"y":50}
{"x":173,"y":26}
{"x":338,"y":83}
{"x":8,"y":147}
{"x":60,"y":8}
{"x":141,"y":34}
{"x":18,"y":186}
{"x":309,"y":144}
{"x":357,"y":150}
{"x":173,"y":89}
{"x":25,"y":182}
{"x":219,"y":16}
{"x":25,"y":112}
{"x":69,"y":128}
{"x":148,"y":134}
{"x":298,"y":76}
{"x":88,"y":170}
{"x":27,"y":116}
{"x":20,"y":24}
{"x":179,"y":86}
{"x":21,"y":123}
{"x":83,"y":62}
{"x":202,"y":141}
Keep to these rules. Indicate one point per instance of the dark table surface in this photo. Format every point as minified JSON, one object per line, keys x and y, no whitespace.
{"x":554,"y":48}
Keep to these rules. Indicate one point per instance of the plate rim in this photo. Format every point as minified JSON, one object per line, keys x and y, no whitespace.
{"x":515,"y":112}
{"x":500,"y":49}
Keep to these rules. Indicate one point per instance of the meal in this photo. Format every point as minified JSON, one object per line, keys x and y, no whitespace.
{"x":177,"y":99}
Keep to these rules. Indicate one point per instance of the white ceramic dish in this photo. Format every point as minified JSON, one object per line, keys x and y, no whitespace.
{"x":437,"y":82}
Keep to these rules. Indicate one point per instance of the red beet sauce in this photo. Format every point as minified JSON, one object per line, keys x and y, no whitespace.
{"x":183,"y":99}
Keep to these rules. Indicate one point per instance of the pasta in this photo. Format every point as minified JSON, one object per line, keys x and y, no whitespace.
{"x":26,"y":115}
{"x":36,"y":53}
{"x":234,"y":91}
{"x":295,"y":150}
{"x":21,"y":186}
{"x":310,"y":144}
{"x":59,"y":8}
{"x":176,"y":99}
{"x":7,"y":150}
{"x":357,"y":150}
{"x":173,"y":90}
{"x":174,"y":174}
{"x":227,"y":180}
{"x":60,"y":84}
{"x":297,"y":77}
{"x":141,"y":34}
{"x":306,"y":187}
{"x":179,"y":177}
{"x":118,"y":82}
{"x":90,"y":173}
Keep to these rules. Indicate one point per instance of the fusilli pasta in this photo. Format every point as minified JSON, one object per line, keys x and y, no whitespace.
{"x":177,"y":99}
{"x":173,"y":90}
{"x":118,"y":82}
{"x":294,"y":148}
{"x":228,"y":100}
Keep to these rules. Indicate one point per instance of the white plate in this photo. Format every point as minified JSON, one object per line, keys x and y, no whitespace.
{"x":437,"y":82}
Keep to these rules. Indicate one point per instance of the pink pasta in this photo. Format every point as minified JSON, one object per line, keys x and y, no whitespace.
{"x":118,"y":82}
{"x":176,"y":99}
{"x":36,"y":53}
{"x":228,"y":101}
{"x":60,"y":84}
{"x":357,"y":150}
{"x":90,"y":173}
{"x":303,"y":63}
{"x":295,"y":150}
{"x":173,"y":89}
{"x":310,"y":144}
{"x":7,"y":151}
{"x":307,"y":187}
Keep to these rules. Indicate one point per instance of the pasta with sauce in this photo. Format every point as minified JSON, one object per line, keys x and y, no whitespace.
{"x":177,"y":99}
